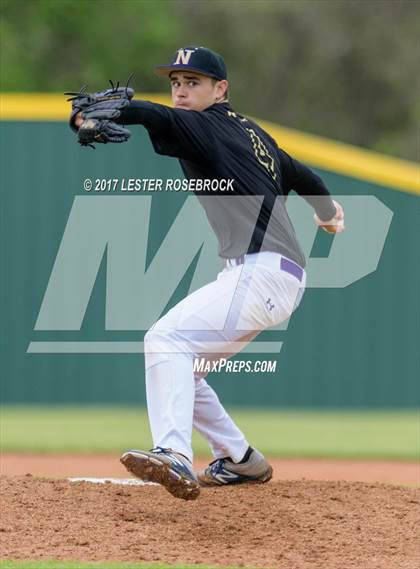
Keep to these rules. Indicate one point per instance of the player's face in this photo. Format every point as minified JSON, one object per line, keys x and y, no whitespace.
{"x":195,"y":92}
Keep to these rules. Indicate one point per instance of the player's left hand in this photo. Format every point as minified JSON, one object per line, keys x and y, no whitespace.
{"x":335,"y":224}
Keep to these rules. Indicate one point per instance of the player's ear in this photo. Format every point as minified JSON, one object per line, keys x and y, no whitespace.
{"x":222,"y":88}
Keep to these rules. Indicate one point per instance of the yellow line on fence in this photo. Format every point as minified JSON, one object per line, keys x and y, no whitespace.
{"x":346,"y":159}
{"x":47,"y":106}
{"x":320,"y":152}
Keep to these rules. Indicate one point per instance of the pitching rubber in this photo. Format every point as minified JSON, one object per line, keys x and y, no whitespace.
{"x":152,"y":469}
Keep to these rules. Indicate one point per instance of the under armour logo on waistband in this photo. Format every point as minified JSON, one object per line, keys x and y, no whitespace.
{"x":269,"y":304}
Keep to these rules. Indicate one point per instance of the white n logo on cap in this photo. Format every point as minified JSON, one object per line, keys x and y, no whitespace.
{"x":183,"y":56}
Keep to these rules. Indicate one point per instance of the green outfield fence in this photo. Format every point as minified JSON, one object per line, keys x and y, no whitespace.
{"x":351,"y":347}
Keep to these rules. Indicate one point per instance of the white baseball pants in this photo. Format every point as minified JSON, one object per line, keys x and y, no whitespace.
{"x":215,"y":321}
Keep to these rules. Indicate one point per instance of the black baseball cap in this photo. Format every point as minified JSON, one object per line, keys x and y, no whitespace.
{"x":199,"y":59}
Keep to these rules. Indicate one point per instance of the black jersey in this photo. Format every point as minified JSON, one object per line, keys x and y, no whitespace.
{"x":218,"y":143}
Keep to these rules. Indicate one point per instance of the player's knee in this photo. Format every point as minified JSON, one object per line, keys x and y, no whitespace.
{"x":161,"y":344}
{"x":157,"y":346}
{"x":156,"y":340}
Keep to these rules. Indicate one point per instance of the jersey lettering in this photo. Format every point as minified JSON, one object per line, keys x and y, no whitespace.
{"x":260,"y":149}
{"x":261,"y":152}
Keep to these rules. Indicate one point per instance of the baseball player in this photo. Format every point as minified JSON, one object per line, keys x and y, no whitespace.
{"x":263,"y":276}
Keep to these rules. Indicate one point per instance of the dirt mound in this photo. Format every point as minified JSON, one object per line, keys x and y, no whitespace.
{"x":64,"y":466}
{"x":283,"y":524}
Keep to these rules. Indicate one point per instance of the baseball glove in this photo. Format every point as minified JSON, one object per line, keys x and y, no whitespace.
{"x":99,"y":111}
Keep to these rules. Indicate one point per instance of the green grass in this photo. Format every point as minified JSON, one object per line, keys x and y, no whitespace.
{"x":282,"y":433}
{"x":99,"y":565}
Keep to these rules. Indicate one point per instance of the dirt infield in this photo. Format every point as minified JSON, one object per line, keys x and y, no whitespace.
{"x":283,"y":524}
{"x":293,"y":522}
{"x":62,"y":466}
